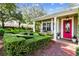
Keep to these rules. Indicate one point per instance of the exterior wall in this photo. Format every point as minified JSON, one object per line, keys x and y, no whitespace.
{"x":75,"y":24}
{"x":37,"y":26}
{"x":58,"y":26}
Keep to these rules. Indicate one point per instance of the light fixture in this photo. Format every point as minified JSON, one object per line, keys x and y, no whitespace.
{"x":67,"y":18}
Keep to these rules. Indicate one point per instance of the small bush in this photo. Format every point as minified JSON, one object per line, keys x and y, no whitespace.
{"x":1,"y":32}
{"x":14,"y":45}
{"x":14,"y":30}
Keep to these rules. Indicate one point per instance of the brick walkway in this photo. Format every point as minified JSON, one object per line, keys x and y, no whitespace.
{"x":1,"y":47}
{"x":58,"y":48}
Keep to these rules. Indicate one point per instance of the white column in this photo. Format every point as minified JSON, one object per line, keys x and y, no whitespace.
{"x":62,"y":28}
{"x":52,"y":26}
{"x":57,"y":25}
{"x":72,"y":27}
{"x":41,"y":29}
{"x":55,"y":28}
{"x":34,"y":26}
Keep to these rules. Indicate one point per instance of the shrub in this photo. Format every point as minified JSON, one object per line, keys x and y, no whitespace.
{"x":1,"y":32}
{"x":14,"y":30}
{"x":77,"y":51}
{"x":36,"y":33}
{"x":14,"y":45}
{"x":24,"y":36}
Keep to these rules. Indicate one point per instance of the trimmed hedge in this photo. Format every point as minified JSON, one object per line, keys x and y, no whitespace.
{"x":77,"y":51}
{"x":17,"y":46}
{"x":14,"y":30}
{"x":24,"y":36}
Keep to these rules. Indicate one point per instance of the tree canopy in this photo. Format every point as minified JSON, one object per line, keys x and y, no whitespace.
{"x":6,"y":11}
{"x":29,"y":13}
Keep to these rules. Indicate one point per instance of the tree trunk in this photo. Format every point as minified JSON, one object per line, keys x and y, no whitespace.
{"x":2,"y":23}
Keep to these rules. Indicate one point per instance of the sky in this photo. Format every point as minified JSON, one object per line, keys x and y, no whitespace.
{"x":48,"y":7}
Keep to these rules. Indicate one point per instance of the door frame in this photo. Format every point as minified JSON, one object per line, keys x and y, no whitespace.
{"x":72,"y":18}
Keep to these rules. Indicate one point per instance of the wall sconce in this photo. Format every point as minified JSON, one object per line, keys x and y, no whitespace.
{"x":67,"y":18}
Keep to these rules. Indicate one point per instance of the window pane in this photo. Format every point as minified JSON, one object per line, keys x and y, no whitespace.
{"x":44,"y":27}
{"x":48,"y":26}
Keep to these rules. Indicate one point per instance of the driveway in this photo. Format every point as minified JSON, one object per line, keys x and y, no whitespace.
{"x":57,"y":48}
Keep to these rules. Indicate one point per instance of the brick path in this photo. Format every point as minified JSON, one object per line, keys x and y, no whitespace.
{"x":1,"y":47}
{"x":58,"y":48}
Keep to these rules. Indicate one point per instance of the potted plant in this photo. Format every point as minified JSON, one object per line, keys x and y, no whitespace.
{"x":74,"y":39}
{"x":58,"y":36}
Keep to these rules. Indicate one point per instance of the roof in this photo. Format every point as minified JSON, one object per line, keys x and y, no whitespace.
{"x":58,"y":14}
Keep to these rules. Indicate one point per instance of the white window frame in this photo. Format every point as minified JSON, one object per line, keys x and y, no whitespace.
{"x":46,"y":24}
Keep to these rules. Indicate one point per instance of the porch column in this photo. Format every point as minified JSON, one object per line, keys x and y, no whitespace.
{"x":41,"y":29}
{"x":52,"y":26}
{"x":55,"y":28}
{"x":78,"y":27}
{"x":33,"y":26}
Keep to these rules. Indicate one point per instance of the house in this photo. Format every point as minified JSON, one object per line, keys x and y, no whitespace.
{"x":64,"y":23}
{"x":14,"y":23}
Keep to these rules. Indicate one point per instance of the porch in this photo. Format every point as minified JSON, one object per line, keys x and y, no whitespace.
{"x":66,"y":27}
{"x":64,"y":24}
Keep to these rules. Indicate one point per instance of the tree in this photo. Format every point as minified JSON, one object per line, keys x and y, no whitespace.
{"x":32,"y":12}
{"x":6,"y":10}
{"x":19,"y":17}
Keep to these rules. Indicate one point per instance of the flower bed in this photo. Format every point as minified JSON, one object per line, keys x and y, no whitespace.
{"x":14,"y":45}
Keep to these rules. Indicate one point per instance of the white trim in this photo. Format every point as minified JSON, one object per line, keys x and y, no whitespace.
{"x":73,"y":27}
{"x":41,"y":27}
{"x":52,"y":25}
{"x":61,"y":28}
{"x":55,"y":28}
{"x":46,"y":24}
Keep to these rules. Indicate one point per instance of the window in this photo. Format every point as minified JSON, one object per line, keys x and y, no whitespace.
{"x":67,"y":27}
{"x":46,"y":26}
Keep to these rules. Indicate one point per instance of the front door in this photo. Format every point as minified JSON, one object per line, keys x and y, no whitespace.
{"x":67,"y":28}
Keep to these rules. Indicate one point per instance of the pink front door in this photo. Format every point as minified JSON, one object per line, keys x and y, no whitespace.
{"x":67,"y":28}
